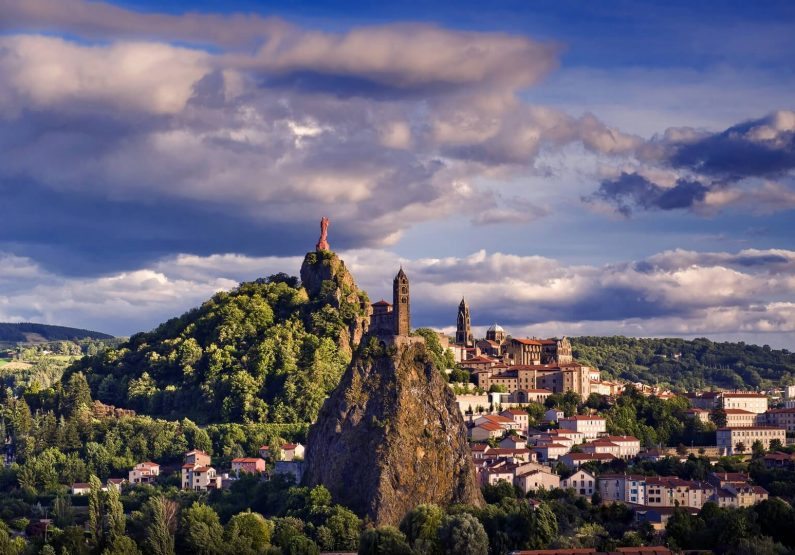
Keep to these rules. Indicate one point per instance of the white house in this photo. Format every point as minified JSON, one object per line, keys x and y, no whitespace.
{"x":591,"y":426}
{"x":292,"y":451}
{"x":582,"y":482}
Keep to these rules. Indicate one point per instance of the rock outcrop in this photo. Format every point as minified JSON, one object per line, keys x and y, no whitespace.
{"x":390,"y":436}
{"x":328,"y":281}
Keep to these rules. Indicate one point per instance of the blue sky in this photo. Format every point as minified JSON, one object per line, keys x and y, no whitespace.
{"x":571,"y":167}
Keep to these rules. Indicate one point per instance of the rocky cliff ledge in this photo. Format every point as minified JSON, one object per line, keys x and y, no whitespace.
{"x":328,"y":282}
{"x":391,"y":437}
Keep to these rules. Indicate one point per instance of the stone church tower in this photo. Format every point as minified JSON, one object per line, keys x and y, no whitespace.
{"x":463,"y":331}
{"x":400,"y":303}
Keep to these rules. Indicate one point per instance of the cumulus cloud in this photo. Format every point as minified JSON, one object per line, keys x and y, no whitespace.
{"x":268,"y":124}
{"x":680,"y":292}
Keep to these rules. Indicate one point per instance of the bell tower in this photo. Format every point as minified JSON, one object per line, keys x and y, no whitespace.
{"x":463,"y":330}
{"x":400,"y":303}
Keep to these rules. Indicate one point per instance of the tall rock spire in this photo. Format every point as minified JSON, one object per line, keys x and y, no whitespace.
{"x":463,"y":329}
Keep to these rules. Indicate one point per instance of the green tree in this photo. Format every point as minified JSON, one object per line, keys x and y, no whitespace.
{"x":421,"y":527}
{"x":344,"y":528}
{"x":463,"y":534}
{"x":122,"y":545}
{"x":77,"y":393}
{"x":114,"y":516}
{"x":162,"y":524}
{"x":741,"y":447}
{"x":202,"y":530}
{"x":248,"y":531}
{"x":96,"y":517}
{"x":384,"y":540}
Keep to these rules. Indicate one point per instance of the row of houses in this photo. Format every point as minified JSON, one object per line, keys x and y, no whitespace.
{"x":198,"y":474}
{"x":727,"y":489}
{"x":519,"y":466}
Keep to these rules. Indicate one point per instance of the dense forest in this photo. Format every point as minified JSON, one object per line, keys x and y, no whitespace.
{"x":263,"y":352}
{"x":28,"y":332}
{"x":687,"y":364}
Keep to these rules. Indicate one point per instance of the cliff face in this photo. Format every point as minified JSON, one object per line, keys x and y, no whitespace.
{"x":391,"y":436}
{"x":328,"y":281}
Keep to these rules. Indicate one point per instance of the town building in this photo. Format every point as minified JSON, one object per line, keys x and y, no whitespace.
{"x":463,"y":332}
{"x":780,"y":418}
{"x":626,"y":488}
{"x":496,"y":334}
{"x":519,"y":417}
{"x":199,"y":478}
{"x":740,"y":418}
{"x":550,"y":451}
{"x":553,"y":415}
{"x":248,"y":465}
{"x":197,"y":474}
{"x":574,"y":460}
{"x":144,"y":473}
{"x":486,"y":431}
{"x":537,"y":480}
{"x":81,"y":488}
{"x":292,"y":451}
{"x":730,"y":441}
{"x":582,"y":482}
{"x":590,"y":426}
{"x":753,"y":402}
{"x":707,"y":400}
{"x":701,"y":415}
{"x":556,"y":378}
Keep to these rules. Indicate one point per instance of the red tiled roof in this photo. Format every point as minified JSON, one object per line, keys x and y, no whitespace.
{"x":590,"y":456}
{"x":81,"y":485}
{"x":382,"y":302}
{"x":497,"y":418}
{"x":489,"y":426}
{"x":737,"y":411}
{"x":246,"y":460}
{"x":288,"y":446}
{"x":148,"y":463}
{"x":527,"y":341}
{"x":745,"y":395}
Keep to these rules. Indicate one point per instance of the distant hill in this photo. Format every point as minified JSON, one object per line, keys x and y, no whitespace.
{"x":687,"y":364}
{"x":27,"y":332}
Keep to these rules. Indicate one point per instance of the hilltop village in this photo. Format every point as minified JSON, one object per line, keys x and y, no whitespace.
{"x":536,"y":419}
{"x":539,"y":448}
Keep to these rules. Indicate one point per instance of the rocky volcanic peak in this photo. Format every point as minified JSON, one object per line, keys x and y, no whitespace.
{"x":391,"y":437}
{"x":328,"y":281}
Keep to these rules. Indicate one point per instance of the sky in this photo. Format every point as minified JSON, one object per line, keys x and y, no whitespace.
{"x":569,"y":167}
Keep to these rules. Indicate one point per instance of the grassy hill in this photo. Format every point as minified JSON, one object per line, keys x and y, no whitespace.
{"x":28,"y":332}
{"x":687,"y":364}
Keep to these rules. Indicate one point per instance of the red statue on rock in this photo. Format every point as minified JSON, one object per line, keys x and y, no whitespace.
{"x":322,"y":243}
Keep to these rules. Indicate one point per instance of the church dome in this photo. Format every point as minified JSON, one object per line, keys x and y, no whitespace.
{"x":495,"y":328}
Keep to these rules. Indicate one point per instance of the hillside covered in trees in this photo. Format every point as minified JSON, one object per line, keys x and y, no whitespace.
{"x":687,"y":364}
{"x":29,"y":332}
{"x":267,"y":351}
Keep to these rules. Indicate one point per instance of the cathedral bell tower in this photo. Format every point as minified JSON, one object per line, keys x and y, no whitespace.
{"x":400,"y":303}
{"x":463,"y":330}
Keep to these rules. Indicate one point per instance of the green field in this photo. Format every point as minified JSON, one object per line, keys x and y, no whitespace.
{"x":3,"y":361}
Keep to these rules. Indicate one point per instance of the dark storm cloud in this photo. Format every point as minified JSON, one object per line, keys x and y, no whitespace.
{"x":630,"y":191}
{"x":757,"y":148}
